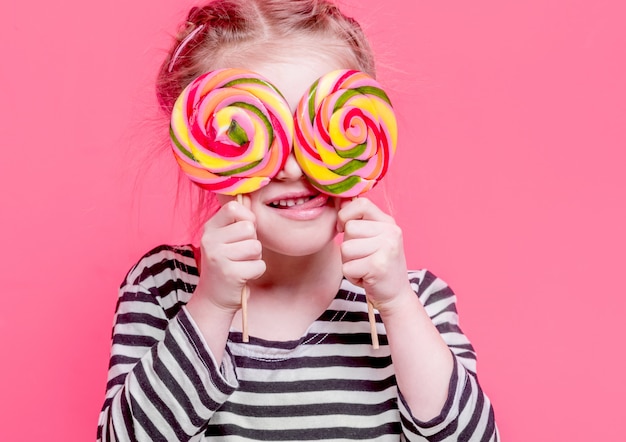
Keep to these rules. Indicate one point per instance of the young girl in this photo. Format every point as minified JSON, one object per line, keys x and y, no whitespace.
{"x":179,"y":369}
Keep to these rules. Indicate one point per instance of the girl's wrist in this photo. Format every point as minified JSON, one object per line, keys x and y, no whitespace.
{"x":203,"y":305}
{"x":403,"y":303}
{"x":213,"y":321}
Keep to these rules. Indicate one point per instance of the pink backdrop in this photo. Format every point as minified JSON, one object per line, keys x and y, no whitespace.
{"x":509,"y":183}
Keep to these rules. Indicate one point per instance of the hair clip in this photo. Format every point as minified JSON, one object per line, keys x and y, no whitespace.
{"x":182,"y":45}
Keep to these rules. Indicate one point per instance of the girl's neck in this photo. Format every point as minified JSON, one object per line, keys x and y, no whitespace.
{"x":288,"y":273}
{"x":292,"y":294}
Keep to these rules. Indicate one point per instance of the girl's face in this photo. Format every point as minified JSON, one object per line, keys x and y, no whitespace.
{"x":293,"y":218}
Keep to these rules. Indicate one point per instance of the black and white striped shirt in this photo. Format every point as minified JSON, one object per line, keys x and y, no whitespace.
{"x":164,"y":385}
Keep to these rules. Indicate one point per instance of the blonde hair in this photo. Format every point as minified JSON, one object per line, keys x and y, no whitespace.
{"x":225,"y":33}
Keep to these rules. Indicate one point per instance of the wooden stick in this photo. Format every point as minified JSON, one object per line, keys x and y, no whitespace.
{"x":244,"y":314}
{"x":244,"y":299}
{"x":373,"y":331}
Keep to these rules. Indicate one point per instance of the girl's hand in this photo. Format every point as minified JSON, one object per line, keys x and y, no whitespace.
{"x":231,"y":255}
{"x":373,"y":252}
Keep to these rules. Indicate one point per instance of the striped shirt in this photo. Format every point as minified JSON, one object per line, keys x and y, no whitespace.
{"x":164,"y":384}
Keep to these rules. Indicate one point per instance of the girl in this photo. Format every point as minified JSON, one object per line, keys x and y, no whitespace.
{"x":179,"y":368}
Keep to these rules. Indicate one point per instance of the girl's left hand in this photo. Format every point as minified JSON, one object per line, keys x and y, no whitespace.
{"x":372,"y":251}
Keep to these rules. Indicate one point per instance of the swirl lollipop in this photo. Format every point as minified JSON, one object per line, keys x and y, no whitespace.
{"x":345,"y":136}
{"x":231,"y":133}
{"x":346,"y":133}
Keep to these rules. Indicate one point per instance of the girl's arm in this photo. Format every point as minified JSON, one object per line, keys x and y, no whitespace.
{"x":422,"y":361}
{"x":164,"y":383}
{"x":440,"y":396}
{"x":231,"y":255}
{"x":466,"y":413}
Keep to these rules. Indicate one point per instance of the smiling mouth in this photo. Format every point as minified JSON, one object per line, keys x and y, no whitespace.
{"x":291,"y":202}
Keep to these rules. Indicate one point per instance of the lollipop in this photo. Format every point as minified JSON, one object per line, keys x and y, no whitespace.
{"x":345,"y":136}
{"x":346,"y":133}
{"x":231,"y":133}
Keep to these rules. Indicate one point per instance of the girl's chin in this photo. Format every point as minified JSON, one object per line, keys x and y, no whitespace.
{"x":296,"y":248}
{"x":306,"y":239}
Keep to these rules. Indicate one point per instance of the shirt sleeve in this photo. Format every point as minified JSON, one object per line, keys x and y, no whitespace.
{"x":163,"y":382}
{"x":467,"y":413}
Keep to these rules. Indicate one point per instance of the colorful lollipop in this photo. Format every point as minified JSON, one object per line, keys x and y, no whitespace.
{"x":346,"y":135}
{"x":231,"y":133}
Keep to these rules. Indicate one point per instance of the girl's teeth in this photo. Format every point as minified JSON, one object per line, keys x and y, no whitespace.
{"x":290,"y":203}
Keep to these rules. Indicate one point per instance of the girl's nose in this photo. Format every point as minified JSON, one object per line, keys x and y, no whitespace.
{"x":291,"y":171}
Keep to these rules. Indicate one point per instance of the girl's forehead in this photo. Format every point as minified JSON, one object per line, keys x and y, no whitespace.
{"x":294,"y":75}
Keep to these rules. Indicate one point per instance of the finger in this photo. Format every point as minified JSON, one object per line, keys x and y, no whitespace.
{"x":256,"y":270}
{"x":248,"y":250}
{"x":369,"y":269}
{"x":363,"y":229}
{"x":234,"y":261}
{"x":251,"y":269}
{"x":355,"y":270}
{"x":232,"y":233}
{"x":360,"y":208}
{"x":373,"y":239}
{"x":240,"y":272}
{"x":229,"y":213}
{"x":358,"y":249}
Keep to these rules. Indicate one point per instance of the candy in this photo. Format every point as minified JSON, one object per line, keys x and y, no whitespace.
{"x":231,"y":131}
{"x":345,"y":133}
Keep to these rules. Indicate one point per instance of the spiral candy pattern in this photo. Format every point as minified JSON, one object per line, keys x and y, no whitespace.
{"x":345,"y":133}
{"x":231,"y":131}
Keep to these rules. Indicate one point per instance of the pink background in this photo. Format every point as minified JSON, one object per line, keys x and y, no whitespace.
{"x":509,"y":183}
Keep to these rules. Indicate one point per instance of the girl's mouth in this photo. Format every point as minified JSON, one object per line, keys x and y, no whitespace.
{"x":291,"y":202}
{"x":299,"y":202}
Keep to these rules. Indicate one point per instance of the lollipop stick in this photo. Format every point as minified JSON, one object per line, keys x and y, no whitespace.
{"x":373,"y":331}
{"x":244,"y":313}
{"x":372,"y":318}
{"x":244,"y":299}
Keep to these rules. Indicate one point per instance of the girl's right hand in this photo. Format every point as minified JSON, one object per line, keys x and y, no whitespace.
{"x":231,"y":255}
